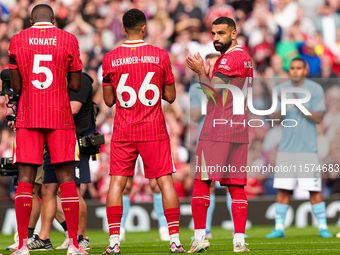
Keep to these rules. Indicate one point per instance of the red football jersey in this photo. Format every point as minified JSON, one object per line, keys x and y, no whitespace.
{"x":44,"y":55}
{"x":235,"y":67}
{"x":138,"y":71}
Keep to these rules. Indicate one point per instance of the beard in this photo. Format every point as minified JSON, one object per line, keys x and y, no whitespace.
{"x":223,"y":47}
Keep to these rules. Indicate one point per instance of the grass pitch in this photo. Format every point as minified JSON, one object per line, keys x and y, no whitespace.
{"x":297,"y":241}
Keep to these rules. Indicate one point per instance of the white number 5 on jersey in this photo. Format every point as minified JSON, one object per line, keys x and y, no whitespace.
{"x":37,"y":69}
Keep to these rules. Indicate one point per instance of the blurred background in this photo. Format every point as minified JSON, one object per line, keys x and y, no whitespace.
{"x":272,"y":32}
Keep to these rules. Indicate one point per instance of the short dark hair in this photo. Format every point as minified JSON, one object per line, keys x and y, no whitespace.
{"x":134,"y":19}
{"x":300,"y":59}
{"x":45,"y":12}
{"x":225,"y":20}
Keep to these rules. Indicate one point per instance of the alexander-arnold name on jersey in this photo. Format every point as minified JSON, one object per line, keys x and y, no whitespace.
{"x":43,"y":41}
{"x":135,"y":60}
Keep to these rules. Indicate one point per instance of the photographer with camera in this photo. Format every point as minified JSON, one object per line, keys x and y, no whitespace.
{"x":83,"y":114}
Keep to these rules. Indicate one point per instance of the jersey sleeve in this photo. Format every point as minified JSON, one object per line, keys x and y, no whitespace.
{"x":106,"y":72}
{"x":168,"y":75}
{"x":75,"y":62}
{"x":228,"y":67}
{"x":12,"y":52}
{"x":317,"y":103}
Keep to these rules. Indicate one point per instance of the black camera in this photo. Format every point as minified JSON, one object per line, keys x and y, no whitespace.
{"x":13,"y":98}
{"x":91,"y":143}
{"x":7,"y":168}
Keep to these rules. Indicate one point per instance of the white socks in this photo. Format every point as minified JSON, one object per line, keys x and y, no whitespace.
{"x":113,"y":240}
{"x":238,"y":238}
{"x":174,"y":238}
{"x":323,"y":226}
{"x":280,"y":226}
{"x":199,"y":233}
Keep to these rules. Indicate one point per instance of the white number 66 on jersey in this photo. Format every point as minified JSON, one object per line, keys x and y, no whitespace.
{"x":146,"y":85}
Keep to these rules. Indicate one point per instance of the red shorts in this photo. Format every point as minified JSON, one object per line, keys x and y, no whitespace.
{"x":221,"y":161}
{"x":156,"y":156}
{"x":29,"y":145}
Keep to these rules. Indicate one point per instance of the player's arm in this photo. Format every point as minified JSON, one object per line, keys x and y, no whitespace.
{"x":277,"y":115}
{"x":199,"y":66}
{"x":317,"y":106}
{"x":109,"y":95}
{"x":316,"y":116}
{"x":108,"y":90}
{"x":77,"y":100}
{"x":169,"y":93}
{"x":74,"y":81}
{"x":75,"y":107}
{"x":195,"y":103}
{"x":14,"y":73}
{"x":196,"y":114}
{"x":76,"y":66}
{"x":16,"y":80}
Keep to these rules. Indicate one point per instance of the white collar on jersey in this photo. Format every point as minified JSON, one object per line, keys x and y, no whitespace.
{"x":235,"y":48}
{"x":133,"y":43}
{"x":43,"y":25}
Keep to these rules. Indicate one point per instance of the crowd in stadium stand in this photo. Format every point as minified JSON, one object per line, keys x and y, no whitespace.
{"x":273,"y":32}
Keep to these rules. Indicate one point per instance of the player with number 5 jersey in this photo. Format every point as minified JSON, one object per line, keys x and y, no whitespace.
{"x":44,"y":54}
{"x":44,"y":63}
{"x":136,"y":76}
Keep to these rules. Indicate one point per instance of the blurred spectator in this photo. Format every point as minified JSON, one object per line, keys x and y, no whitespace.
{"x":161,"y":24}
{"x":311,"y":7}
{"x":285,"y":13}
{"x":219,"y":8}
{"x":307,"y":53}
{"x":107,"y":38}
{"x":204,"y":46}
{"x":326,"y":76}
{"x":287,"y":48}
{"x":327,"y":24}
{"x":305,"y":24}
{"x":83,"y":31}
{"x":261,"y":20}
{"x":187,"y":16}
{"x":263,"y":51}
{"x":275,"y":73}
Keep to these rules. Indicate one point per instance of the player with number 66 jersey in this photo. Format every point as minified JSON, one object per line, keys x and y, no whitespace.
{"x":136,"y":76}
{"x":138,"y":71}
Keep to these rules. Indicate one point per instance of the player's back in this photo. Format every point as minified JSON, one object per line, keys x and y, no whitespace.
{"x":44,"y":54}
{"x":138,"y":72}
